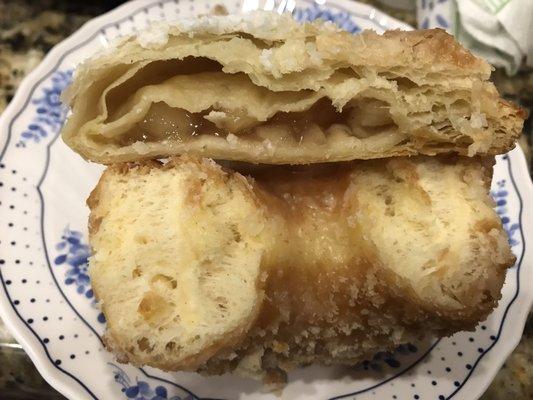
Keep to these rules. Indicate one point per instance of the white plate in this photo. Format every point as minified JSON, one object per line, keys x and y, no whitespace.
{"x":45,"y":296}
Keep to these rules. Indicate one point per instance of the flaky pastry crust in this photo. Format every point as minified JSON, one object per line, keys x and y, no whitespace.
{"x":262,"y":88}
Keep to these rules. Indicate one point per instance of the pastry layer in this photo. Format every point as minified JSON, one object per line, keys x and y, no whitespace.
{"x":264,"y":89}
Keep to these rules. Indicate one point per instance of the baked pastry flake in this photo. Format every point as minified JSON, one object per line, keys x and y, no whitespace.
{"x":262,"y":88}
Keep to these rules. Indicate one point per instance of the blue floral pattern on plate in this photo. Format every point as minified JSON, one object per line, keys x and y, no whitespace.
{"x":50,"y":112}
{"x":75,"y":254}
{"x":341,"y":18}
{"x":391,"y":359}
{"x":432,"y":12}
{"x":500,"y":198}
{"x":141,"y":390}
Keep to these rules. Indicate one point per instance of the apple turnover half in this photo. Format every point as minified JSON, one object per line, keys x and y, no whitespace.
{"x":197,"y":267}
{"x":264,"y":89}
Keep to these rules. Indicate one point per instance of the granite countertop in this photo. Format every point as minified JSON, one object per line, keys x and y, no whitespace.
{"x":28,"y":29}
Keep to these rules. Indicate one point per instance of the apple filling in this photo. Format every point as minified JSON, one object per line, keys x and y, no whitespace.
{"x":363,"y":119}
{"x":193,"y":104}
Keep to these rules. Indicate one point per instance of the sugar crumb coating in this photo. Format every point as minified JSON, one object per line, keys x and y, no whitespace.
{"x":266,"y":270}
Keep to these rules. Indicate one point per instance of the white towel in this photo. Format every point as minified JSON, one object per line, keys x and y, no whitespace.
{"x":501,"y":31}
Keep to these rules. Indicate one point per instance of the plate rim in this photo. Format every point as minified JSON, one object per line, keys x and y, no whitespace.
{"x":42,"y":72}
{"x":520,"y":313}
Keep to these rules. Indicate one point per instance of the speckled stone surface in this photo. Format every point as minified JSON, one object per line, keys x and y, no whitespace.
{"x":28,"y":29}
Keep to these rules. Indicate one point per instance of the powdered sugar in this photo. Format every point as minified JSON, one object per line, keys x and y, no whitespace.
{"x":154,"y":37}
{"x":262,"y":24}
{"x":266,"y":58}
